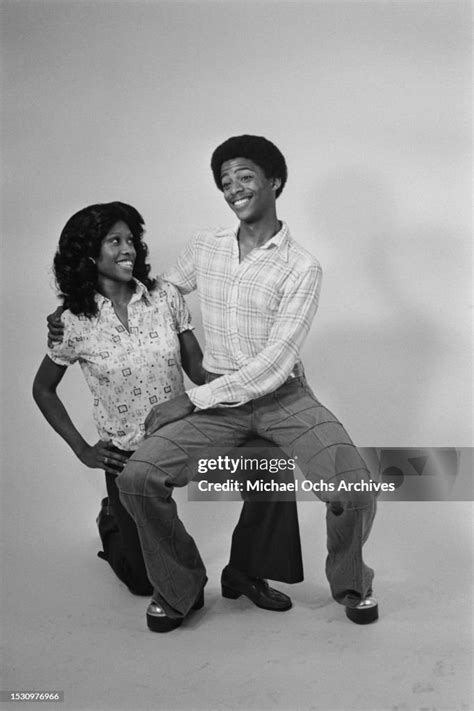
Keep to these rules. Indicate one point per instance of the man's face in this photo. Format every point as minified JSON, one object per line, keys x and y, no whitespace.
{"x":248,"y":192}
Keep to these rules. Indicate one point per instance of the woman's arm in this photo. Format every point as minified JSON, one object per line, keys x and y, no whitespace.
{"x":191,"y":357}
{"x":98,"y":456}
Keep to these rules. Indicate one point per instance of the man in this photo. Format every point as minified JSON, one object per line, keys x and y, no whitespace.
{"x":259,"y":293}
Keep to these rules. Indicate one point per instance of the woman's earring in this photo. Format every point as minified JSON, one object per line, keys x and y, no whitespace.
{"x":92,"y":260}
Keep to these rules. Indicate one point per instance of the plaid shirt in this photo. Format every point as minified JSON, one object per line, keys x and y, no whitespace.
{"x":256,"y":313}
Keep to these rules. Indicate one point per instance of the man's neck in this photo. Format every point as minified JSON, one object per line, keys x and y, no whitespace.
{"x":255,"y":234}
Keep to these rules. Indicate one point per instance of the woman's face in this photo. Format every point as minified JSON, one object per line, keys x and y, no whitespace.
{"x":117,"y":254}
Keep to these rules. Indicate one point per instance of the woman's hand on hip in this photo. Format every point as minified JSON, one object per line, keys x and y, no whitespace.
{"x":101,"y":455}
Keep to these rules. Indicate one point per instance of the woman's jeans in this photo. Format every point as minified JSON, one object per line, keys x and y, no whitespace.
{"x":122,"y":547}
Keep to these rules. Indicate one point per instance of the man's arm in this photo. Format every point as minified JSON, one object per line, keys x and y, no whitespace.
{"x":55,"y":327}
{"x":183,"y":272}
{"x":168,"y":411}
{"x":273,"y":365}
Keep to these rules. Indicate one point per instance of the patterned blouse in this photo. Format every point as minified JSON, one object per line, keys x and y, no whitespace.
{"x":128,"y":371}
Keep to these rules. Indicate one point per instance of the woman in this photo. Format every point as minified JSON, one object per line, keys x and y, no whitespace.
{"x":130,"y":335}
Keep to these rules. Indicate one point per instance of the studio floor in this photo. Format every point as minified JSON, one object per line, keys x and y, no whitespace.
{"x":69,"y":625}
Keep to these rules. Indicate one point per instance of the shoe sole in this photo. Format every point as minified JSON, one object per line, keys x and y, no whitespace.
{"x":163,"y":624}
{"x":364,"y":616}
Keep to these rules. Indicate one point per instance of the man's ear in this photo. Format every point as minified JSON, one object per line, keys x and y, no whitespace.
{"x":276,"y":182}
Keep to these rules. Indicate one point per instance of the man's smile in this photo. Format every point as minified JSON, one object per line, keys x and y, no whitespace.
{"x":240,"y":202}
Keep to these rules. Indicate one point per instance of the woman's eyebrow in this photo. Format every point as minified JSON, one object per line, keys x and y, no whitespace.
{"x":119,"y":234}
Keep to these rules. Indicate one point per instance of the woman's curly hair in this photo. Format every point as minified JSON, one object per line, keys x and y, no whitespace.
{"x":79,"y":245}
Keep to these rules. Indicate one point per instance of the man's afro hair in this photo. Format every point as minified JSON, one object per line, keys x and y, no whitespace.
{"x":257,"y":149}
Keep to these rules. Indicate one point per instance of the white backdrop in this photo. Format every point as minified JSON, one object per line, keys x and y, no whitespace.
{"x":369,"y":102}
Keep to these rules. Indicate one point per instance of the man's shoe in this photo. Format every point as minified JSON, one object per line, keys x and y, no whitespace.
{"x":234,"y":584}
{"x":158,"y":621}
{"x":365,"y":612}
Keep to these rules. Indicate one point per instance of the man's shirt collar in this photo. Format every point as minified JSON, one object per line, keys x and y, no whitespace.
{"x":281,"y":240}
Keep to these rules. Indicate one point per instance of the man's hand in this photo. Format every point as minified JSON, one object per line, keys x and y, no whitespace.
{"x":166,"y":412}
{"x":55,"y":327}
{"x":102,"y":456}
